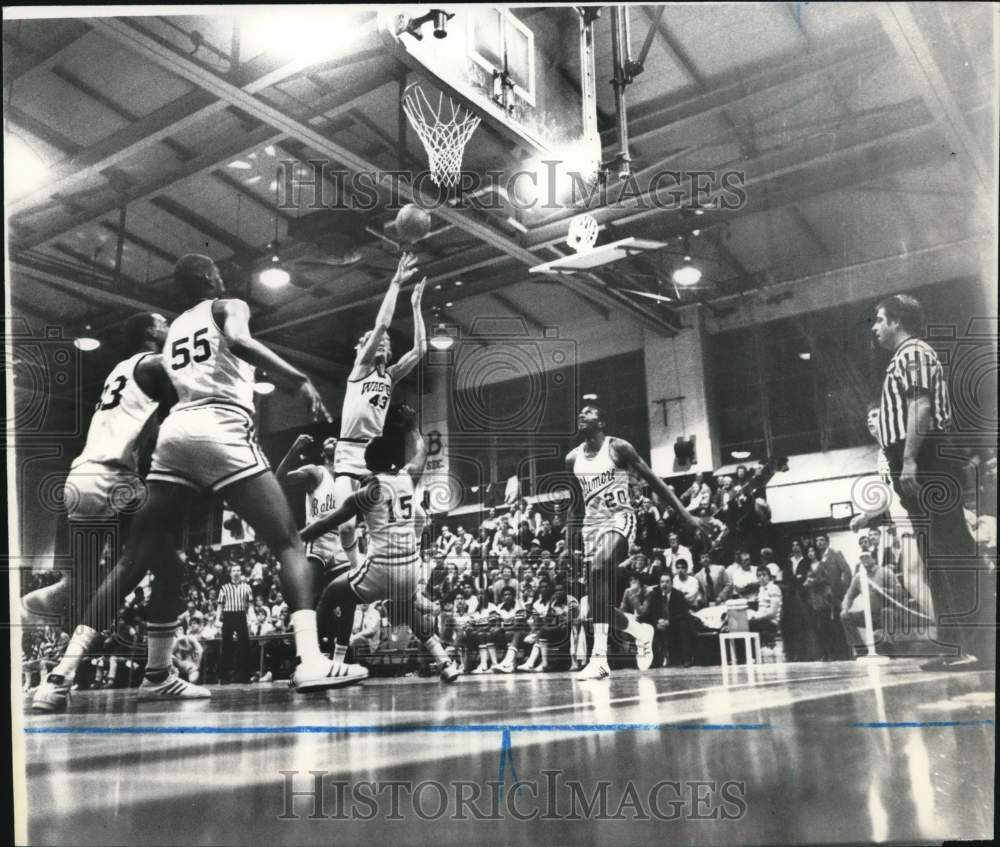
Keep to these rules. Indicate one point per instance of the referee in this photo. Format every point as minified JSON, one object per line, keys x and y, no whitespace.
{"x":914,"y":419}
{"x":234,"y":601}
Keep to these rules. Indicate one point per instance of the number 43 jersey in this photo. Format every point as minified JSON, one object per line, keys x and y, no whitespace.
{"x":200,"y":364}
{"x":366,"y":401}
{"x":605,"y":486}
{"x":119,"y":418}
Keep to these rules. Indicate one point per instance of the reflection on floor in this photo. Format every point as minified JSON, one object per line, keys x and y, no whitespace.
{"x":786,"y":754}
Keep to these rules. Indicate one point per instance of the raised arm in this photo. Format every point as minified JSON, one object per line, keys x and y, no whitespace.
{"x":286,"y":473}
{"x":626,"y":456}
{"x":408,"y":361}
{"x":234,"y":318}
{"x":366,"y":353}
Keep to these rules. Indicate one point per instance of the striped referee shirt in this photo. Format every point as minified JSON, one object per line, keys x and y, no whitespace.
{"x":235,"y":598}
{"x":914,"y":367}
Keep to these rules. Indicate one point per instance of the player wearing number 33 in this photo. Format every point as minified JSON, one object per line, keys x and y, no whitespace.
{"x":392,"y":567}
{"x":369,"y":388}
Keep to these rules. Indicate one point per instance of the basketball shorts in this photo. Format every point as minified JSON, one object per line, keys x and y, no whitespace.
{"x":326,"y":550}
{"x":623,"y":523}
{"x":97,"y":491}
{"x":207,"y":447}
{"x":381,"y":579}
{"x":350,"y":459}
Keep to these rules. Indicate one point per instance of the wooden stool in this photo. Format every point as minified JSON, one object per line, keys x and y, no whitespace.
{"x":751,"y":642}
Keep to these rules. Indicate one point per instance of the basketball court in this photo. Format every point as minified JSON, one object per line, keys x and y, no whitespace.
{"x":683,"y":214}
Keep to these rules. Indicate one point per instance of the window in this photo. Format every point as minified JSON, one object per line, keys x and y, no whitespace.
{"x":499,"y":42}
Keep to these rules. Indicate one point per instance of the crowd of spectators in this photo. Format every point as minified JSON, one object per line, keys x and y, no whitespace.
{"x":510,"y":595}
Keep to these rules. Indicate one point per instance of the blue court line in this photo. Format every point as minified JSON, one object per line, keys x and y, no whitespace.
{"x":331,"y":729}
{"x":918,"y":724}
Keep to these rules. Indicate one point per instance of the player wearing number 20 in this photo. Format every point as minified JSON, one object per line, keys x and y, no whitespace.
{"x":368,"y":391}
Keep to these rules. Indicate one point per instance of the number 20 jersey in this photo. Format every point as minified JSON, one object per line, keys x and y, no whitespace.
{"x":605,"y":486}
{"x":200,"y":364}
{"x":119,"y":418}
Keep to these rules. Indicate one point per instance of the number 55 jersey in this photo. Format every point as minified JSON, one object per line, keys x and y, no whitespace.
{"x":605,"y":487}
{"x":366,"y":401}
{"x":208,"y":439}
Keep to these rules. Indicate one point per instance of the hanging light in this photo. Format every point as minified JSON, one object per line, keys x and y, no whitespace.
{"x":274,"y":277}
{"x":441,"y":338}
{"x":740,"y":455}
{"x":263,"y":387}
{"x":687,"y":275}
{"x":86,"y":342}
{"x":805,"y":356}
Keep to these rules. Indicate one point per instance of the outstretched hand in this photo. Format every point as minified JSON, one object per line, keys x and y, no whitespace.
{"x":316,"y":406}
{"x":406,"y":269}
{"x":418,"y":294}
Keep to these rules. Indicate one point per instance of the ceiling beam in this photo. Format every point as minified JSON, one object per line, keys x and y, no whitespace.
{"x":139,"y":241}
{"x":511,"y":306}
{"x":44,"y":57}
{"x":915,"y":52}
{"x":42,"y":131}
{"x":146,"y":46}
{"x":187,"y":215}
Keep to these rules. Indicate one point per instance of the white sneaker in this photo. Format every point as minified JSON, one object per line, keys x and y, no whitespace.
{"x":325,"y":673}
{"x":503,"y":667}
{"x":50,"y":697}
{"x":480,"y":669}
{"x":450,"y":672}
{"x":266,"y":677}
{"x":644,"y":647}
{"x":43,"y":605}
{"x":596,"y":669}
{"x":172,"y":688}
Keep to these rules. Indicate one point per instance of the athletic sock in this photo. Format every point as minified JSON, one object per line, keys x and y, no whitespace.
{"x":160,"y":638}
{"x":634,"y":628}
{"x":339,"y":654}
{"x":509,"y":657}
{"x":436,"y":649}
{"x":79,"y":644}
{"x":483,"y":657}
{"x":600,"y":650}
{"x":306,"y":640}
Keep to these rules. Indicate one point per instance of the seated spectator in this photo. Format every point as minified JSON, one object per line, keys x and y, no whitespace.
{"x":548,"y":622}
{"x":698,"y":498}
{"x":716,"y":587}
{"x":884,"y":588}
{"x":460,"y":558}
{"x":656,"y":566}
{"x":767,"y":616}
{"x":508,"y":626}
{"x":366,"y":632}
{"x":687,"y":585}
{"x":634,"y":595}
{"x":546,"y":537}
{"x":675,"y":550}
{"x":445,"y":541}
{"x":674,"y":627}
{"x":743,"y":577}
{"x":767,"y":561}
{"x":188,"y":651}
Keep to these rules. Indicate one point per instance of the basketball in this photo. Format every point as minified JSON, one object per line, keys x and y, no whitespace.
{"x":412,"y":223}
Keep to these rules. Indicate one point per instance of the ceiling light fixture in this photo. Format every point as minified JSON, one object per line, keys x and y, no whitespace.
{"x":687,"y":275}
{"x":86,"y":343}
{"x":441,"y":338}
{"x":263,"y":387}
{"x":740,"y":455}
{"x":805,"y":357}
{"x":274,"y":277}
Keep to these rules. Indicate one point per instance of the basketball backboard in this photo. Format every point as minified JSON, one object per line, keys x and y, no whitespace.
{"x":528,"y":73}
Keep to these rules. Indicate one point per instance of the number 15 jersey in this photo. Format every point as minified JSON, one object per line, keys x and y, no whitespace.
{"x":392,"y":538}
{"x":200,"y":364}
{"x":605,"y":486}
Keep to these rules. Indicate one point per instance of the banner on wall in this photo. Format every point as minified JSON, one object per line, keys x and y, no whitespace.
{"x":443,"y":494}
{"x":234,"y":530}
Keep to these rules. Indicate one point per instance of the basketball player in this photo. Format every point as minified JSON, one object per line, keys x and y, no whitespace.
{"x":208,"y":443}
{"x":602,"y":465}
{"x":101,"y":491}
{"x":369,"y":387}
{"x":325,"y":552}
{"x":392,"y":567}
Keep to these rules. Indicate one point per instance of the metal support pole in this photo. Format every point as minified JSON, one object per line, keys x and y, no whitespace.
{"x":622,"y":160}
{"x":120,"y":248}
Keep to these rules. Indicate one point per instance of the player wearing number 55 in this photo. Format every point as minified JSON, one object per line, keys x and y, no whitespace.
{"x":392,"y":567}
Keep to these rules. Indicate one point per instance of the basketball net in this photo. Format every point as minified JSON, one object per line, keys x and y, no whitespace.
{"x":444,"y":132}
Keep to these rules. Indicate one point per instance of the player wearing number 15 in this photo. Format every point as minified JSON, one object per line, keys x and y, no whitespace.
{"x":392,"y":567}
{"x":369,"y":389}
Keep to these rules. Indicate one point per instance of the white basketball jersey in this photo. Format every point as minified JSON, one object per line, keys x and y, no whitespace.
{"x":200,"y":364}
{"x":119,"y":417}
{"x":391,"y":536}
{"x":319,"y":503}
{"x":605,"y":486}
{"x":365,"y":403}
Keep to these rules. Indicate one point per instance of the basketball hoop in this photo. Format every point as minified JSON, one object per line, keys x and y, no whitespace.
{"x":444,"y":132}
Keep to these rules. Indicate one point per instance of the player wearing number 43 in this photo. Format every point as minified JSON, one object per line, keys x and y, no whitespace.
{"x":368,"y":390}
{"x":392,"y":567}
